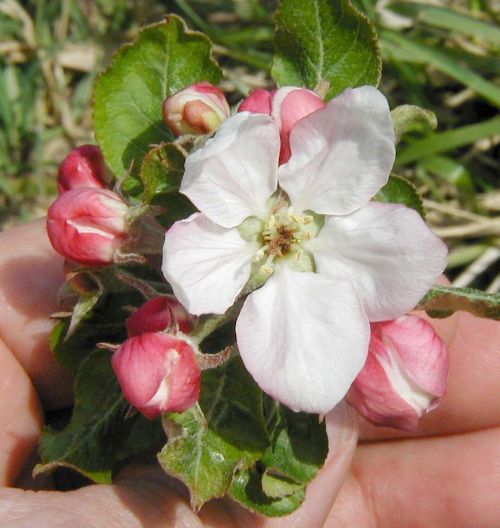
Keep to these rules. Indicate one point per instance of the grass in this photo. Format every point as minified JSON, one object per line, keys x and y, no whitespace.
{"x":444,"y":57}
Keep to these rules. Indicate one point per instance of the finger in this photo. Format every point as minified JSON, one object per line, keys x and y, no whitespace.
{"x":471,"y":401}
{"x":20,"y":418}
{"x":30,"y":275}
{"x":446,"y":482}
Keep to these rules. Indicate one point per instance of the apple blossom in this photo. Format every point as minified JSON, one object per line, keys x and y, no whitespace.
{"x":158,"y":373}
{"x":87,"y":225}
{"x":405,"y":373}
{"x":287,"y":106}
{"x":159,"y":314}
{"x":198,"y":109}
{"x":331,"y":259}
{"x":83,"y":167}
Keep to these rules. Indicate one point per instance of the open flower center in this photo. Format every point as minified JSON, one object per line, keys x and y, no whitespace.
{"x":283,"y":236}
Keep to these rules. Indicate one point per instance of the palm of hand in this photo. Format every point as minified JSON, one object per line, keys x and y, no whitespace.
{"x":445,"y":474}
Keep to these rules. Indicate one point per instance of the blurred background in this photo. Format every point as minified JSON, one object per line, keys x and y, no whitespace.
{"x":442,"y":55}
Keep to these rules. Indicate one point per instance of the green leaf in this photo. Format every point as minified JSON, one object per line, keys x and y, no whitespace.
{"x":324,"y":40}
{"x":248,"y":490}
{"x":408,"y":118}
{"x":399,"y":190}
{"x":442,"y":301}
{"x":100,"y":437}
{"x":104,"y":322}
{"x":225,"y":432}
{"x":438,"y":142}
{"x":299,"y":447}
{"x":165,"y":58}
{"x":161,"y":174}
{"x":277,"y":486}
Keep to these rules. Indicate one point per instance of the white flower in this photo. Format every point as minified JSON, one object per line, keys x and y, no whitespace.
{"x":334,"y":260}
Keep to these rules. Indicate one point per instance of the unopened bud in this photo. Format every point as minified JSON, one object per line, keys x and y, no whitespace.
{"x":158,"y":314}
{"x":404,"y":375}
{"x":198,"y":109}
{"x":83,"y":167}
{"x":87,"y":225}
{"x":158,"y":373}
{"x":287,"y":106}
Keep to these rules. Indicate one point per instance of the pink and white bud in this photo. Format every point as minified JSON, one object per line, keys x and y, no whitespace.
{"x":87,"y":225}
{"x":287,"y":106}
{"x":404,"y":376}
{"x":158,"y":373}
{"x":83,"y":167}
{"x":198,"y":109}
{"x":159,"y":314}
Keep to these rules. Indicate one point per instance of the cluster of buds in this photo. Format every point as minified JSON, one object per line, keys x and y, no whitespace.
{"x":157,"y":367}
{"x":404,"y":376}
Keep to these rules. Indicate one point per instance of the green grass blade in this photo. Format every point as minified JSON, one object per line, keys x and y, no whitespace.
{"x":444,"y":141}
{"x":412,"y":51}
{"x":448,"y":19}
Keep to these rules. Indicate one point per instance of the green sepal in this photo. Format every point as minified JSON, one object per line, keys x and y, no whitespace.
{"x":165,"y":58}
{"x":102,"y":435}
{"x":399,"y":190}
{"x":323,"y":40}
{"x":443,"y":301}
{"x":161,"y":174}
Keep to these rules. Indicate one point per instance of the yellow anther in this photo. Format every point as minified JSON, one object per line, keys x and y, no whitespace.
{"x":266,"y":270}
{"x":259,"y":254}
{"x":306,"y":236}
{"x":271,"y":221}
{"x":308,"y":219}
{"x":299,"y":254}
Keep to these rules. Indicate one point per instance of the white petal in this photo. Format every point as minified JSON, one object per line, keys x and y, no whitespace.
{"x":234,"y":174}
{"x":304,"y":338}
{"x":341,"y":155}
{"x":207,"y":265}
{"x":387,"y":251}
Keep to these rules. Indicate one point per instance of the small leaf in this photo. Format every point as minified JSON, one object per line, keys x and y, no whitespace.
{"x":399,"y":190}
{"x":408,"y":118}
{"x":277,"y":486}
{"x":128,"y":119}
{"x":442,"y":301}
{"x":99,"y":438}
{"x":247,"y":490}
{"x":324,"y":40}
{"x":226,"y":432}
{"x":299,"y":447}
{"x":161,"y":174}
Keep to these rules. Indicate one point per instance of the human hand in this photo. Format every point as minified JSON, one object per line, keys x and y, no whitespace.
{"x":445,"y":474}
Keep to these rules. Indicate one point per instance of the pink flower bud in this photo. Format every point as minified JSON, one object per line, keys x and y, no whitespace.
{"x":198,"y":109}
{"x":287,"y":106}
{"x":159,"y":314}
{"x":87,"y":225}
{"x":158,"y":373}
{"x":404,"y":375}
{"x":83,"y":167}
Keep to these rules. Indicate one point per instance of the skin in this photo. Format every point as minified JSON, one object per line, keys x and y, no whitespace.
{"x":444,"y":474}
